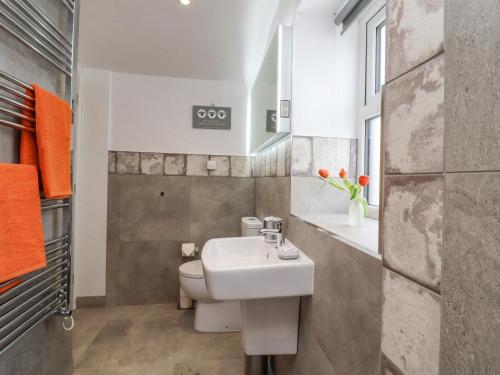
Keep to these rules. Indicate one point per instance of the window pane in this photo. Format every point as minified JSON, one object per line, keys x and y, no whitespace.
{"x":380,"y":57}
{"x":372,"y":159}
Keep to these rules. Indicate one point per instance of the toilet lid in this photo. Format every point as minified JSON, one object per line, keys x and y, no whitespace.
{"x":192,"y":269}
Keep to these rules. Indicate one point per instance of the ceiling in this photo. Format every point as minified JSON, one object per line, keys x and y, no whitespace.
{"x":210,"y":39}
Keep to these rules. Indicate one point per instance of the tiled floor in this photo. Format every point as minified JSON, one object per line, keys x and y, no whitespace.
{"x":150,"y":340}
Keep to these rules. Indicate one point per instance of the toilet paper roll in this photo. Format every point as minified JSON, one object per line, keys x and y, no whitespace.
{"x":188,"y":249}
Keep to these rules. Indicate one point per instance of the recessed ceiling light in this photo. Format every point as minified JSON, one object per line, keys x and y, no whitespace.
{"x":185,"y":2}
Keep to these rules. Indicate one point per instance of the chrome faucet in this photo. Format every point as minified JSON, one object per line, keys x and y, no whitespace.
{"x":274,"y":231}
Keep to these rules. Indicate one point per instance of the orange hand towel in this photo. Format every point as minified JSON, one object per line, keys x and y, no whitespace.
{"x":21,"y":234}
{"x":53,"y":138}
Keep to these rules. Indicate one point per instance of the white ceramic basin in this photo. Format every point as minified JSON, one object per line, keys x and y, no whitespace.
{"x":249,"y":268}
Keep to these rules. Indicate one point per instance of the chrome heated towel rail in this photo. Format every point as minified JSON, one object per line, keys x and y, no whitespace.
{"x":26,"y":22}
{"x":43,"y":293}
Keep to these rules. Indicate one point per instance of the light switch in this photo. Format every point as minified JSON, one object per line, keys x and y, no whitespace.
{"x":211,"y":165}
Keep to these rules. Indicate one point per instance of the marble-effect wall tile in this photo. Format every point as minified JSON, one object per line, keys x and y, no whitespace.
{"x":410,"y":326}
{"x":415,"y":33}
{"x":267,"y":168}
{"x":197,"y":165}
{"x":288,"y":157}
{"x":311,"y":195}
{"x":414,"y":120}
{"x":223,"y":166}
{"x":281,"y":161}
{"x":302,"y":157}
{"x":471,"y":277}
{"x":274,"y":161}
{"x":111,"y":162}
{"x":151,"y":163}
{"x":332,"y":154}
{"x":174,"y":165}
{"x":127,"y":162}
{"x":413,"y":226}
{"x":263,"y":165}
{"x":256,"y":166}
{"x":353,"y":161}
{"x":241,"y":166}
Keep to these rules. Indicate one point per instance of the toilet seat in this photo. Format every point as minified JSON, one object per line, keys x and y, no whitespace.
{"x":192,"y":270}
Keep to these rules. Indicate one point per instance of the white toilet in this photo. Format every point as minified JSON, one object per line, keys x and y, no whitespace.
{"x":211,"y":315}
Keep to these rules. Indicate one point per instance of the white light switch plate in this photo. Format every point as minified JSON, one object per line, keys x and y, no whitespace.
{"x":211,"y":165}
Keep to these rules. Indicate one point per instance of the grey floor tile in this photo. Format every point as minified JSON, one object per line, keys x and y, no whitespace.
{"x":153,"y":340}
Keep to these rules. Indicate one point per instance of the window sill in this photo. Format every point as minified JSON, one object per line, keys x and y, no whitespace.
{"x":364,"y":237}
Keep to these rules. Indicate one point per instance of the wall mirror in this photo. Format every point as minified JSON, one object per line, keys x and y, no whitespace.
{"x":271,"y":93}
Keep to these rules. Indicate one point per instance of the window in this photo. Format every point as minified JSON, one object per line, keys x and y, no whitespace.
{"x":372,"y":71}
{"x":372,"y":159}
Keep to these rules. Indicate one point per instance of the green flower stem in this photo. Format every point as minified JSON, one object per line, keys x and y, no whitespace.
{"x":354,"y":190}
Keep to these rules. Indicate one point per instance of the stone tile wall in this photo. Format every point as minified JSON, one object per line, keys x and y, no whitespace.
{"x":470,"y":286}
{"x":158,"y":201}
{"x":148,"y":163}
{"x":274,"y":161}
{"x":413,"y":193}
{"x":309,"y":154}
{"x":340,"y":324}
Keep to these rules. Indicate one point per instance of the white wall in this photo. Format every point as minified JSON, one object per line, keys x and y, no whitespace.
{"x":152,"y":113}
{"x":129,"y":112}
{"x":325,"y":76}
{"x":89,"y":242}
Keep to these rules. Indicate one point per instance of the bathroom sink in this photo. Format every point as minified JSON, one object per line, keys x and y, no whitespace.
{"x":250,"y":268}
{"x":269,"y":289}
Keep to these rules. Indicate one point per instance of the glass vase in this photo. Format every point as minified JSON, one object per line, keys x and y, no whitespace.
{"x":356,"y":213}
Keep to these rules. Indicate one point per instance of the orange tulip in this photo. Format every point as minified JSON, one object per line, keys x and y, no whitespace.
{"x":343,"y":173}
{"x":324,"y":173}
{"x":363,"y":180}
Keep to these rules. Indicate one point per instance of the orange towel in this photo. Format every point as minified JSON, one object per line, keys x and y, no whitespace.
{"x":21,"y":234}
{"x":52,"y":146}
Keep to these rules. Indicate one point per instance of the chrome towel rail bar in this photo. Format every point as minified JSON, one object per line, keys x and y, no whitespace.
{"x":20,"y":307}
{"x":15,"y":104}
{"x":70,"y":5}
{"x":54,"y":206}
{"x":45,"y":24}
{"x":48,"y":252}
{"x":21,"y":93}
{"x":45,"y":19}
{"x":24,"y":329}
{"x":28,"y":281}
{"x":16,"y":81}
{"x":6,"y":111}
{"x":33,"y":27}
{"x":41,"y":42}
{"x":9,"y":328}
{"x":17,"y":93}
{"x":13,"y":125}
{"x":29,"y":25}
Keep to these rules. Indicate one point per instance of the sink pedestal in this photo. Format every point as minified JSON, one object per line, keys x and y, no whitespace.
{"x":270,"y":326}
